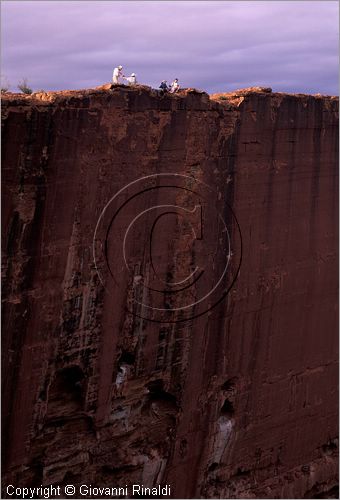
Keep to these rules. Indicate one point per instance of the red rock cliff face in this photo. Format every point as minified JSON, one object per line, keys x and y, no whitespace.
{"x":240,"y":401}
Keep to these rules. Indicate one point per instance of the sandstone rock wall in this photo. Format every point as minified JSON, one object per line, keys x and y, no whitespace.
{"x":240,"y":401}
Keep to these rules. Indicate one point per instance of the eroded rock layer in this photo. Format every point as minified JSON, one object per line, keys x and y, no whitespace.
{"x":238,"y":402}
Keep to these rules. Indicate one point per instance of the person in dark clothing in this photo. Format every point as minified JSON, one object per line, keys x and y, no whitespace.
{"x":164,"y":87}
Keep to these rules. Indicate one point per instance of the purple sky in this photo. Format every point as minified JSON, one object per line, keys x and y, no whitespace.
{"x":216,"y":46}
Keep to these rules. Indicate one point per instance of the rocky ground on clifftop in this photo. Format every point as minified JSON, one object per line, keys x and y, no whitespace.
{"x":108,"y":87}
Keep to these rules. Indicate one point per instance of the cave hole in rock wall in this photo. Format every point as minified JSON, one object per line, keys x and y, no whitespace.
{"x":157,"y":393}
{"x":66,"y":392}
{"x":229,"y":390}
{"x":127,"y":358}
{"x":160,"y":402}
{"x":227,"y":409}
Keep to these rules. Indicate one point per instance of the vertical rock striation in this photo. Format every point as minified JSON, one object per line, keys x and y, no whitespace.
{"x":238,"y":402}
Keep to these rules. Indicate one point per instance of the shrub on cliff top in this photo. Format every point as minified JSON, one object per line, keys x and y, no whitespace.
{"x":5,"y":86}
{"x":23,"y":86}
{"x":222,"y":98}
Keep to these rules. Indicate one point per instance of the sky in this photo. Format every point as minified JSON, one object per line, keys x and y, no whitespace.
{"x":290,"y":46}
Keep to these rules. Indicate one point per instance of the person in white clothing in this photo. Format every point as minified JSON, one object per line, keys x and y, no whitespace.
{"x":117,"y":73}
{"x":174,"y":86}
{"x":132,"y":80}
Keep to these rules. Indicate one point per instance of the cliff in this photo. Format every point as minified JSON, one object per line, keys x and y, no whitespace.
{"x":226,"y":391}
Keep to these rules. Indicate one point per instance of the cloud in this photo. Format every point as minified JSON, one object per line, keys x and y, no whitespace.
{"x":289,"y":46}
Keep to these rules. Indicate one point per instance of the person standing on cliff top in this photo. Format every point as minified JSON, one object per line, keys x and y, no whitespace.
{"x":174,"y":86}
{"x":117,"y":73}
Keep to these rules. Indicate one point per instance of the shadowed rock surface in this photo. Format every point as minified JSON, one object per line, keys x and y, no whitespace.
{"x":239,"y":402}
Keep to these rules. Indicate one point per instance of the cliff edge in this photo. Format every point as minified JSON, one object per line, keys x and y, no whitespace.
{"x":106,"y":382}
